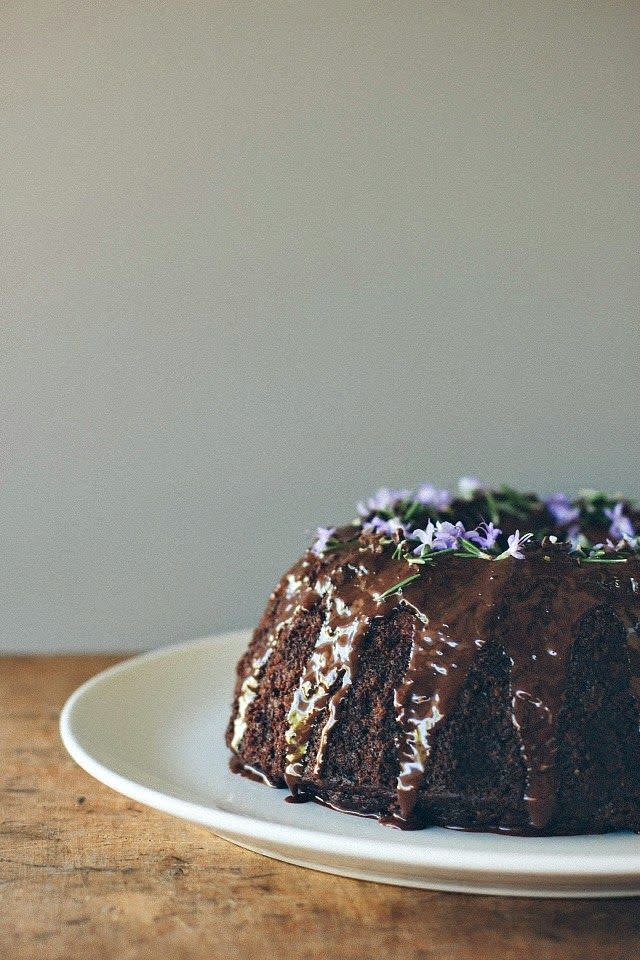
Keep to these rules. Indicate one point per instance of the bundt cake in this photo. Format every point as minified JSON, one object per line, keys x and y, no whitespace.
{"x":468,"y":661}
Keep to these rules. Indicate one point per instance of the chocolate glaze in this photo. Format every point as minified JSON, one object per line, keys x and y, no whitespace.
{"x":461,"y":602}
{"x":532,"y":607}
{"x":236,"y":765}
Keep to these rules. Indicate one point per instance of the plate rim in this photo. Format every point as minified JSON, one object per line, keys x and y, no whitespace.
{"x":540,"y":864}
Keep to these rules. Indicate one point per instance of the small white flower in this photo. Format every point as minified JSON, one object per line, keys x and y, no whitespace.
{"x":468,"y":487}
{"x":515,"y":541}
{"x":425,"y":537}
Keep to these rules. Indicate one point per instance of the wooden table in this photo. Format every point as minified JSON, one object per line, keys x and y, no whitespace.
{"x":87,"y":873}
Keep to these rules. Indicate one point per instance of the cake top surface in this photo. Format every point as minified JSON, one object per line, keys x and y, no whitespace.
{"x":487,"y":523}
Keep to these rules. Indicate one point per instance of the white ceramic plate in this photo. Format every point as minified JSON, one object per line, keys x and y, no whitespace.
{"x":153,"y":729}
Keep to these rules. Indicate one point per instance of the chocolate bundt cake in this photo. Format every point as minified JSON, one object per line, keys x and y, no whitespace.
{"x":431,"y":664}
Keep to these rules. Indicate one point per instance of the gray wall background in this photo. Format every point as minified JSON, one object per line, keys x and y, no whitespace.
{"x":258,"y":258}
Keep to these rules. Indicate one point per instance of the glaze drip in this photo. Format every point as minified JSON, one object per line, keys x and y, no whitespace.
{"x":291,"y":589}
{"x":539,"y":643}
{"x":461,"y":611}
{"x":351,"y":595}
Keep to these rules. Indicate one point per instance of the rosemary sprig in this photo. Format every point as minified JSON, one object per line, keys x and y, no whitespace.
{"x":512,"y":502}
{"x":429,"y":556}
{"x":334,"y":544}
{"x":413,"y":508}
{"x":471,"y":550}
{"x":603,"y":559}
{"x":398,"y":586}
{"x":524,"y":501}
{"x":494,"y":511}
{"x":397,"y":553}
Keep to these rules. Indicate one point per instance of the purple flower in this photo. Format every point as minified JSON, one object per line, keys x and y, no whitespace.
{"x":468,"y":487}
{"x":561,"y":509}
{"x":371,"y":526}
{"x":383,"y":499}
{"x":425,"y":537}
{"x":448,"y":535}
{"x":621,"y":527}
{"x":611,"y":547}
{"x":323,"y":535}
{"x":515,"y":541}
{"x":387,"y":528}
{"x":577,"y":539}
{"x":485,"y":535}
{"x":430,"y":496}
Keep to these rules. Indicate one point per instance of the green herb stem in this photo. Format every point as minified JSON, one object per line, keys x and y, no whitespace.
{"x":414,"y":507}
{"x":603,"y":559}
{"x":398,"y":586}
{"x":336,"y":544}
{"x":470,"y":550}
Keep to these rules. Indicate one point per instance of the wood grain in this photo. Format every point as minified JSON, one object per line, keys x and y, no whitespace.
{"x":85,"y":872}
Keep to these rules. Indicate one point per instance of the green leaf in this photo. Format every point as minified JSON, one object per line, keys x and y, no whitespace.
{"x":603,"y":559}
{"x":334,"y":544}
{"x":397,"y":553}
{"x":494,"y":511}
{"x":398,"y":586}
{"x":414,"y":506}
{"x":471,"y":550}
